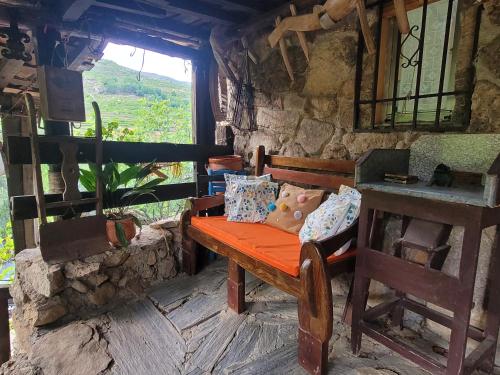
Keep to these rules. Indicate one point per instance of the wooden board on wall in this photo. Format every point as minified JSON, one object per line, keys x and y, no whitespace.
{"x":61,"y":94}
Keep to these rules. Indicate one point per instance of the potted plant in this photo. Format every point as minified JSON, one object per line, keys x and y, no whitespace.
{"x":140,"y":180}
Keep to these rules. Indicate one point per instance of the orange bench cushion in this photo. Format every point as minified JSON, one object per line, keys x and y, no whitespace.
{"x":265,"y":243}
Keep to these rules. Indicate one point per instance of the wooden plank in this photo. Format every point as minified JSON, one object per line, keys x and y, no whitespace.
{"x":422,"y":208}
{"x":438,"y":317}
{"x":270,"y":275}
{"x":403,"y":349}
{"x":74,"y":9}
{"x":308,"y":178}
{"x":24,"y":207}
{"x":119,"y":152}
{"x":204,"y":11}
{"x":142,"y":341}
{"x":426,"y":284}
{"x":215,"y":344}
{"x":338,"y":166}
{"x":483,"y":351}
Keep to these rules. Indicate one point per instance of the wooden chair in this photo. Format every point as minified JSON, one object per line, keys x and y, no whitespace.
{"x":317,"y":265}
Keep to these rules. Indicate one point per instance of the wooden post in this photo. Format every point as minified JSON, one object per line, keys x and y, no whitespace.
{"x":19,"y":181}
{"x":203,"y":117}
{"x":235,"y":287}
{"x":4,"y":324}
{"x":260,"y":154}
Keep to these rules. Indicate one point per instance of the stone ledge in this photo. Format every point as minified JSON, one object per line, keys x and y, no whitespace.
{"x":52,"y":294}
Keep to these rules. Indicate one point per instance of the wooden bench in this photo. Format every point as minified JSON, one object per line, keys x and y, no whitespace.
{"x":316,"y":264}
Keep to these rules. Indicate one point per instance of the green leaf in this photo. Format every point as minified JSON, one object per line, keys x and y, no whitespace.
{"x":136,"y":221}
{"x":145,"y":171}
{"x":151,"y":183}
{"x":87,"y":179}
{"x":120,"y":234}
{"x":129,"y":174}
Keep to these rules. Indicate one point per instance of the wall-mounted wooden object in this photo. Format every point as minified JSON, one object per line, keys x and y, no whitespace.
{"x":61,"y":94}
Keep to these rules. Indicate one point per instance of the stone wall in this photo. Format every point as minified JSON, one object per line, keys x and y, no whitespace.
{"x":313,"y":116}
{"x":47,"y":295}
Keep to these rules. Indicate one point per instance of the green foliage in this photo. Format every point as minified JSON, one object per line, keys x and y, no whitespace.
{"x":6,"y":254}
{"x":140,"y":179}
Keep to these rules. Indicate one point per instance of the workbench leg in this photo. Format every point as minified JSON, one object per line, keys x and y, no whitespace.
{"x":361,"y":283}
{"x":465,"y":293}
{"x":235,"y":286}
{"x":493,"y":313}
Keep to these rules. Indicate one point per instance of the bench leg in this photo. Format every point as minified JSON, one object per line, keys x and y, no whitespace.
{"x":315,"y":311}
{"x":235,"y":287}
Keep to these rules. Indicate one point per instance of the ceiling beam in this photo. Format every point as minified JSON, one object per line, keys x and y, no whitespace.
{"x":132,"y":7}
{"x":72,"y":10}
{"x":168,"y":26}
{"x":239,"y":5}
{"x":196,"y":9}
{"x":158,"y":45}
{"x":268,"y":18}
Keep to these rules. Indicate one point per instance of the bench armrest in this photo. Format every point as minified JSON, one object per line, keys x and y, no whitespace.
{"x":331,"y":244}
{"x":204,"y":203}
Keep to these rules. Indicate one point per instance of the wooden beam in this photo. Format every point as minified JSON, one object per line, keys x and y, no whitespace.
{"x":120,"y":152}
{"x":199,"y":10}
{"x":267,"y":19}
{"x":132,"y":7}
{"x":122,"y":36}
{"x":72,"y":10}
{"x":162,"y":25}
{"x":24,"y":207}
{"x":239,"y":5}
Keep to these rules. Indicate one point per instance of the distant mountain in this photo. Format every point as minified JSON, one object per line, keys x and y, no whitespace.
{"x":120,"y":94}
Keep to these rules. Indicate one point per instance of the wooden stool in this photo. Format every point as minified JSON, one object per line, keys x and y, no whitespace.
{"x":431,"y":285}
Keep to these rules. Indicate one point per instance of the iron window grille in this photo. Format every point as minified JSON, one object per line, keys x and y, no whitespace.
{"x":429,"y":99}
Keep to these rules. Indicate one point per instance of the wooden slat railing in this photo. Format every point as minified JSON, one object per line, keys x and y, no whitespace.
{"x":4,"y":324}
{"x":19,"y":151}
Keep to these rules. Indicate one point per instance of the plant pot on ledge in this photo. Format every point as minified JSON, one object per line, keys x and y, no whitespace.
{"x":120,"y":232}
{"x":137,"y":180}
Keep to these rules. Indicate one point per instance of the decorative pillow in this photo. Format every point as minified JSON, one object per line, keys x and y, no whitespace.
{"x":334,"y":215}
{"x":250,"y":200}
{"x":292,"y":207}
{"x":229,"y":195}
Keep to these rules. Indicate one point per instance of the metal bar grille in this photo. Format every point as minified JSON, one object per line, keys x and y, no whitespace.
{"x":420,"y":63}
{"x":395,"y":83}
{"x":433,"y":121}
{"x":443,"y":63}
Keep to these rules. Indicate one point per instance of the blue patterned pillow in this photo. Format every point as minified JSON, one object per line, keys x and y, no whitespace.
{"x":334,"y":215}
{"x":231,"y":180}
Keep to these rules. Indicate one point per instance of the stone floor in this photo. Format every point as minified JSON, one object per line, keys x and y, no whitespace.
{"x":184,"y":327}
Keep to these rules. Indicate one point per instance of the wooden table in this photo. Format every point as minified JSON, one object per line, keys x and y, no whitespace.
{"x":452,"y":293}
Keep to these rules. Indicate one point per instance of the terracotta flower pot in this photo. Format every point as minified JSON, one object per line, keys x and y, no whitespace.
{"x":231,"y":162}
{"x":128,"y":227}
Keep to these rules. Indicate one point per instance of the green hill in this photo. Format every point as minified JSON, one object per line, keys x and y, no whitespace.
{"x":122,"y":97}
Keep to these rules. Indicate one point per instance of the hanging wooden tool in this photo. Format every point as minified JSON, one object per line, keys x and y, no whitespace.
{"x":300,"y":34}
{"x":79,"y":237}
{"x":332,"y":12}
{"x":284,"y":53}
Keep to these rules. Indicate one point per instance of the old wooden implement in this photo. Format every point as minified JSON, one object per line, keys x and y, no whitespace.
{"x":78,"y":237}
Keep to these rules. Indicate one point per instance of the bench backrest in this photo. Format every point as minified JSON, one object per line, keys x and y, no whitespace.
{"x":324,"y":173}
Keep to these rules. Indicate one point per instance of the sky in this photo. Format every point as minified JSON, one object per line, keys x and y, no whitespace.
{"x":172,"y":67}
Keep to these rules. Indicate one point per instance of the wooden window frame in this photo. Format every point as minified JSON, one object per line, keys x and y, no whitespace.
{"x":378,"y":101}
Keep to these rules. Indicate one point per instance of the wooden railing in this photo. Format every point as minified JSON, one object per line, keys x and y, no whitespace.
{"x":4,"y":324}
{"x":24,"y":207}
